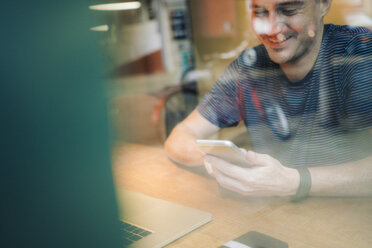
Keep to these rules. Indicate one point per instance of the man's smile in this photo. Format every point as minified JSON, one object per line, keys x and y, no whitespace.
{"x":278,"y":41}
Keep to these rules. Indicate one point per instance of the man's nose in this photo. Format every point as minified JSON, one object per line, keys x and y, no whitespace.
{"x":276,"y":24}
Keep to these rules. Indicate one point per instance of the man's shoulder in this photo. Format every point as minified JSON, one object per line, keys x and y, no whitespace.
{"x":255,"y":57}
{"x":346,"y":29}
{"x":347,"y":37}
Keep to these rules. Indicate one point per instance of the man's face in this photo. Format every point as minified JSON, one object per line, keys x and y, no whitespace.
{"x":287,"y":28}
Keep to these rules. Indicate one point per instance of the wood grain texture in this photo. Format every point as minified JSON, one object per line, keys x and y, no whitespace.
{"x":315,"y":222}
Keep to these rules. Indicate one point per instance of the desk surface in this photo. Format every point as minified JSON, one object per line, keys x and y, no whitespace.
{"x":315,"y":223}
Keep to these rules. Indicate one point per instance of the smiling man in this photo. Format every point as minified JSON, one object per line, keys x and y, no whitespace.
{"x":305,"y":96}
{"x":291,"y":32}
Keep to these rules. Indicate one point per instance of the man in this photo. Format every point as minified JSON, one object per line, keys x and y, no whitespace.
{"x":305,"y":98}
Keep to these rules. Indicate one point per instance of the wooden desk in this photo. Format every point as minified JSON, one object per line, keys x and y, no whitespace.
{"x":314,"y":223}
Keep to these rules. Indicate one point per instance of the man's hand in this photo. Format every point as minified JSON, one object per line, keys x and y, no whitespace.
{"x":266,"y":177}
{"x":180,"y":145}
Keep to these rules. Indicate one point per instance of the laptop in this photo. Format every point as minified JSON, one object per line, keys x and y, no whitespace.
{"x":151,"y":222}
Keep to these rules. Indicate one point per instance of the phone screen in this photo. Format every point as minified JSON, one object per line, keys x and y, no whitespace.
{"x":224,"y":149}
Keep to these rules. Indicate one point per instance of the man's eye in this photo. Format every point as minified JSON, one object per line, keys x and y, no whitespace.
{"x":288,"y":12}
{"x":260,"y":12}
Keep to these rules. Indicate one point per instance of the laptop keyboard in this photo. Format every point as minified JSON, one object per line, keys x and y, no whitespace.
{"x":131,"y":233}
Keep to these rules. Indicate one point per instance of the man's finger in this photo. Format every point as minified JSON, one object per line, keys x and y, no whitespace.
{"x":208,"y":167}
{"x":258,"y":159}
{"x":226,"y":168}
{"x":239,"y":186}
{"x":229,"y":183}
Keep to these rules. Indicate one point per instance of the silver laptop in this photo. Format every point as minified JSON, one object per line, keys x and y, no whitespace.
{"x":151,"y":222}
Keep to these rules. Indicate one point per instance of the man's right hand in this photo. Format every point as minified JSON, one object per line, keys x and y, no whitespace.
{"x":180,"y":146}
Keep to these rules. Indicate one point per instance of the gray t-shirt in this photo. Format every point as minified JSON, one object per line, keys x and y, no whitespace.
{"x":322,"y":120}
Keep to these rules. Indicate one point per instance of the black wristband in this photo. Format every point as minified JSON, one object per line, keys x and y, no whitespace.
{"x":305,"y":185}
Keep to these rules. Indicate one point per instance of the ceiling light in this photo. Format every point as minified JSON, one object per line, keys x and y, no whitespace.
{"x":116,"y":6}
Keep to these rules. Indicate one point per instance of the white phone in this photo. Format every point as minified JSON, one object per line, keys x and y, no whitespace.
{"x":224,"y":149}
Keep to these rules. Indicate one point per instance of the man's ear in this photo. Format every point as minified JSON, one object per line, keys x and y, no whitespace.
{"x":325,"y":5}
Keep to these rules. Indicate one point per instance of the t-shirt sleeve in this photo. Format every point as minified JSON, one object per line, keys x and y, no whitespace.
{"x":357,"y":82}
{"x":220,"y":106}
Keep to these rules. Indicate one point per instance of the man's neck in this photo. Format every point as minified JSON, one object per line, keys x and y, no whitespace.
{"x":296,"y":71}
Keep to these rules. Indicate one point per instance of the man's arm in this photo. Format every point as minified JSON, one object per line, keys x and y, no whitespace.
{"x":180,"y":145}
{"x":349,"y":179}
{"x":268,"y":177}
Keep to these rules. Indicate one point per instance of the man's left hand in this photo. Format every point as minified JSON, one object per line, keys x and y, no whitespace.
{"x":266,"y":177}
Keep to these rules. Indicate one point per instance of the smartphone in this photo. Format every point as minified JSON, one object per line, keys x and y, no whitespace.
{"x":255,"y":240}
{"x":224,"y":149}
